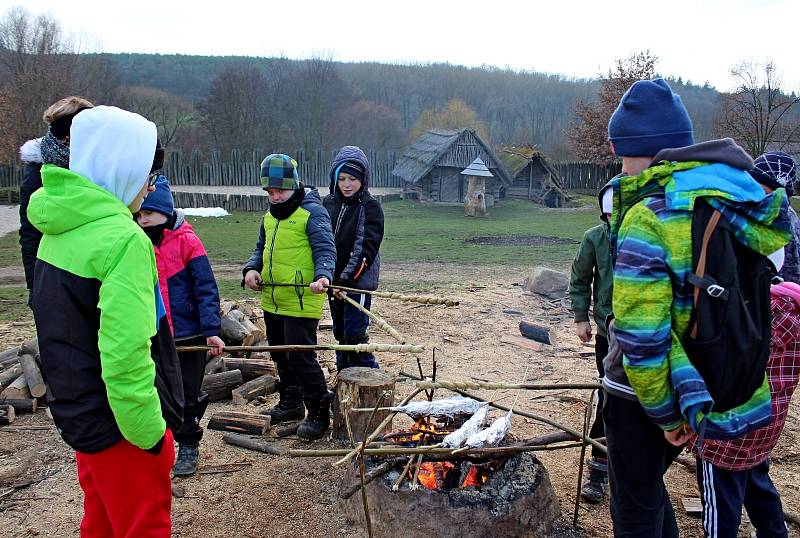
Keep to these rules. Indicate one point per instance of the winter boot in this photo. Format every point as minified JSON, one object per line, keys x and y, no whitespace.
{"x":186,"y":464}
{"x":290,"y":406}
{"x":595,"y":488}
{"x":315,"y":425}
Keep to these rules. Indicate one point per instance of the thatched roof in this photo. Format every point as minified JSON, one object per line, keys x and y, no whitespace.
{"x":439,"y":147}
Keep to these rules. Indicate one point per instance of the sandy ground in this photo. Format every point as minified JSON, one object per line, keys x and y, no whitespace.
{"x":282,"y":497}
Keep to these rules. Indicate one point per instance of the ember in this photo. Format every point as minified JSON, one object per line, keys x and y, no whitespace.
{"x":432,"y":475}
{"x":423,"y":427}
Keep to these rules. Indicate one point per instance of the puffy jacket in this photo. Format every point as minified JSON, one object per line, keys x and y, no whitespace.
{"x":652,"y":297}
{"x":100,"y":316}
{"x":357,"y":227}
{"x":187,"y":282}
{"x":296,"y":250}
{"x":31,"y":155}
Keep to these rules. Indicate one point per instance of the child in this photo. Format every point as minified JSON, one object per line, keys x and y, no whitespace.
{"x":357,"y":218}
{"x":295,"y":246}
{"x":732,"y":474}
{"x":592,"y":278}
{"x":192,"y":302}
{"x":114,"y":388}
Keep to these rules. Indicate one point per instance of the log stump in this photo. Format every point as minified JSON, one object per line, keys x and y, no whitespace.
{"x":360,"y":388}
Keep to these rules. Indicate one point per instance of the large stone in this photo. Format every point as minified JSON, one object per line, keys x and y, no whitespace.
{"x":547,"y":282}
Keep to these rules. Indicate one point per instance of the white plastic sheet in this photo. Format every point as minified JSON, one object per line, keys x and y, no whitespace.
{"x":468,"y":429}
{"x":446,"y":407}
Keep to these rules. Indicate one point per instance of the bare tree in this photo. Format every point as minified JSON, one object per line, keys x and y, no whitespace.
{"x":759,"y":115}
{"x":588,"y":135}
{"x":456,"y":114}
{"x":369,"y":125}
{"x":171,"y":114}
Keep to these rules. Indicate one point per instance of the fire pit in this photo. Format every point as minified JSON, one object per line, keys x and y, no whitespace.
{"x":459,"y":498}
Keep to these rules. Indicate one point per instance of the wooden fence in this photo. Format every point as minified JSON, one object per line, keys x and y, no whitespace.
{"x":586,"y":177}
{"x":238,"y":202}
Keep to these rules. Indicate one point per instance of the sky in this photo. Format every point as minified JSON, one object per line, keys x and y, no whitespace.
{"x":698,"y":40}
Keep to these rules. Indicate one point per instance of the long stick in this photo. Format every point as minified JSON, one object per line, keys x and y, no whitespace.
{"x":463,"y":385}
{"x":380,"y":322}
{"x":358,"y":348}
{"x":576,"y":434}
{"x":586,"y":416}
{"x":377,"y":430}
{"x":362,"y":467}
{"x":422,"y":299}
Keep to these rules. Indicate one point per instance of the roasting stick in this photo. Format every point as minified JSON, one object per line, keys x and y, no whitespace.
{"x":358,"y":348}
{"x":422,"y":299}
{"x":380,"y":322}
{"x":586,"y":416}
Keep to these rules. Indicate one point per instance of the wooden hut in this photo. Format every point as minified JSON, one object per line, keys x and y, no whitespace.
{"x":431,"y":168}
{"x":535,"y":178}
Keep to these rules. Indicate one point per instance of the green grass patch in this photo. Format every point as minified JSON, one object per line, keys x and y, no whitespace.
{"x":10,"y":255}
{"x":14,"y":304}
{"x":420,"y":233}
{"x":232,"y":290}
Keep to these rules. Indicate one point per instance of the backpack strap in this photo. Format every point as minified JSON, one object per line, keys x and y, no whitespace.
{"x":699,"y":279}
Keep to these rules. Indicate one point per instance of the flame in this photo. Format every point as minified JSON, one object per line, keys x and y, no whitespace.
{"x":476,"y":476}
{"x":422,"y":427}
{"x":431,"y":474}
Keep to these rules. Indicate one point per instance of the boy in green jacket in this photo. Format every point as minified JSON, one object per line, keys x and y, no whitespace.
{"x":592,"y":278}
{"x":295,"y":246}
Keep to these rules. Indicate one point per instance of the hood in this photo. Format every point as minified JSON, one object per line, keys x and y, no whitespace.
{"x":113,"y":148}
{"x":759,"y":220}
{"x":68,"y":200}
{"x":349,"y":153}
{"x":31,"y":151}
{"x":724,"y":151}
{"x":180,"y":227}
{"x":311,"y":196}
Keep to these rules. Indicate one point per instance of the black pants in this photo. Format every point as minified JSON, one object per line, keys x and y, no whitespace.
{"x":597,"y":431}
{"x":351,"y":326}
{"x":193,"y":365}
{"x":725,"y":492}
{"x":638,"y":457}
{"x":300,"y":373}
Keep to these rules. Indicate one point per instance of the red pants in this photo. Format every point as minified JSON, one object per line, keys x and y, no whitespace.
{"x":127,"y":491}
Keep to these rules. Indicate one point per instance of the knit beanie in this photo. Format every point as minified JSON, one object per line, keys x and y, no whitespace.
{"x":160,"y":200}
{"x":353,"y":168}
{"x":775,"y":169}
{"x":279,"y":171}
{"x":649,"y":118}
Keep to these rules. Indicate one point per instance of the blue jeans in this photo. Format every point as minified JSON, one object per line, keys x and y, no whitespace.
{"x":350,"y":326}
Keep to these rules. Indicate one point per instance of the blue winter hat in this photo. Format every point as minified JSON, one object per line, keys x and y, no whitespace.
{"x":160,"y":200}
{"x":649,"y":118}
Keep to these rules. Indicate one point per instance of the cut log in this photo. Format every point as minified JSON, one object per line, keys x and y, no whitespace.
{"x":225,"y":307}
{"x":33,"y":376}
{"x":522,"y":342}
{"x":260,"y":386}
{"x":214,"y":365}
{"x":232,"y":330}
{"x":9,"y":356}
{"x":18,"y":389}
{"x":536,"y":332}
{"x":254,"y":333}
{"x":250,"y":368}
{"x":219,"y":386}
{"x":7,"y":414}
{"x":239,"y":422}
{"x":21,"y":405}
{"x":9,"y":375}
{"x":261,"y":354}
{"x":359,"y":388}
{"x":30,"y":347}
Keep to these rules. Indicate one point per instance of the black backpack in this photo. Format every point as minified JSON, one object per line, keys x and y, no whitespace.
{"x":729,"y":329}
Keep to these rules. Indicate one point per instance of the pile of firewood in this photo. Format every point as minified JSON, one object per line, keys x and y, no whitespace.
{"x":21,"y":383}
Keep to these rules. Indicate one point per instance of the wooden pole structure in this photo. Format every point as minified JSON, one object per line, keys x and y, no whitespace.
{"x":358,"y":348}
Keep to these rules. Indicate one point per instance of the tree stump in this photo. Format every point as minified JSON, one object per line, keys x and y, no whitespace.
{"x":360,"y":388}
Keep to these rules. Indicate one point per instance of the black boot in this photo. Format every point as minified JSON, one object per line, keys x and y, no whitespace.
{"x":594,"y":489}
{"x":186,"y":464}
{"x":315,"y":425}
{"x":290,"y":406}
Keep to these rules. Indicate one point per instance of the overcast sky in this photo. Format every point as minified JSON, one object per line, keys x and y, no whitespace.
{"x":698,"y":40}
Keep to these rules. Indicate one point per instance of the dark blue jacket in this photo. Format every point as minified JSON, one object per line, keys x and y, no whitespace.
{"x":357,"y":227}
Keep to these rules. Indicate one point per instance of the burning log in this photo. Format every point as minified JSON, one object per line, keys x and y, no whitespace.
{"x":359,"y":387}
{"x":219,"y":386}
{"x":33,"y":376}
{"x":21,"y":405}
{"x":7,"y":414}
{"x":250,"y":368}
{"x":260,"y":386}
{"x":535,"y":332}
{"x":240,"y":423}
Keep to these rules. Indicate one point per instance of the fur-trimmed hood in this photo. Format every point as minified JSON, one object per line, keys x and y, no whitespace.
{"x":31,"y":151}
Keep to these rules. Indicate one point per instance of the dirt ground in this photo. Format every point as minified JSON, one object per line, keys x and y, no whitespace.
{"x":282,"y":497}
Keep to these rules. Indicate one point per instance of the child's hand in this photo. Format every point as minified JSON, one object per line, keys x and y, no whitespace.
{"x":679,"y":436}
{"x":339,"y":294}
{"x":218,"y":346}
{"x":583,"y":330}
{"x":318,"y":286}
{"x":253,"y":280}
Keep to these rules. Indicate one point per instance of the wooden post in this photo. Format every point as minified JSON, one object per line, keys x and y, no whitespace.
{"x":360,"y":387}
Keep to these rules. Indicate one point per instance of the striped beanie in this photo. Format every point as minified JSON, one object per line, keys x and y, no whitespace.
{"x":279,"y":171}
{"x":775,"y":169}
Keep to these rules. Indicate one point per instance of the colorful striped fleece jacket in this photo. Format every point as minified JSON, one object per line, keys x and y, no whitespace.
{"x":652,"y":299}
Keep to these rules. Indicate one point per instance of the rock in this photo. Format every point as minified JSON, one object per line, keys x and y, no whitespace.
{"x":547,"y":282}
